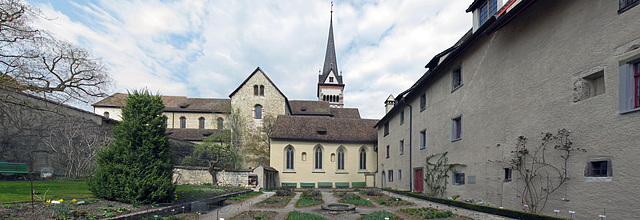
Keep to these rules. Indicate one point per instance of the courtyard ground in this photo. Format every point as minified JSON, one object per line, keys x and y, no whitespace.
{"x":232,"y":209}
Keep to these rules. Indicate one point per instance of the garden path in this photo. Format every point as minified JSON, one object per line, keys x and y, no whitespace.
{"x":229,"y":211}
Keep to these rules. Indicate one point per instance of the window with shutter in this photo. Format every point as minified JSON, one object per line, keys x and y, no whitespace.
{"x":629,"y":87}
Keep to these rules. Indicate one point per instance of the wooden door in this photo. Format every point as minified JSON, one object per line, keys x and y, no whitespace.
{"x":418,"y":180}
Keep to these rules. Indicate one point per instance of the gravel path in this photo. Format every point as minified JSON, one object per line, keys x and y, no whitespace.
{"x":229,"y":211}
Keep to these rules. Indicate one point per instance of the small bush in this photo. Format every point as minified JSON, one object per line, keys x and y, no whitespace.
{"x":373,"y":192}
{"x":297,"y":215}
{"x":284,"y":192}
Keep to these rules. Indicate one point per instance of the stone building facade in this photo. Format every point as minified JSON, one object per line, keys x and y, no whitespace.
{"x":527,"y":67}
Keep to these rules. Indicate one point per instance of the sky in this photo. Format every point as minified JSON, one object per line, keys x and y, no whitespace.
{"x":207,"y":48}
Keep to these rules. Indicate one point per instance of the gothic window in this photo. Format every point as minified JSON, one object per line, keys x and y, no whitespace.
{"x":220,"y":123}
{"x":258,"y":110}
{"x":201,"y":122}
{"x":183,"y":122}
{"x":363,"y":159}
{"x":289,"y":156}
{"x":318,"y":158}
{"x":341,"y":159}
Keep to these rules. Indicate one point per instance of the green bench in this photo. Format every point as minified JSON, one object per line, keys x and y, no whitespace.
{"x":358,"y":184}
{"x":308,"y":185}
{"x":325,"y":184}
{"x":294,"y":185}
{"x":342,"y":184}
{"x":6,"y":167}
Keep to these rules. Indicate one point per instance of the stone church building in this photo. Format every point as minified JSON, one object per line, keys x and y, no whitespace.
{"x":312,"y":144}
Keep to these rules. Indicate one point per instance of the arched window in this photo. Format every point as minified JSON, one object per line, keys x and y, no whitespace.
{"x":255,"y":90}
{"x":384,"y":181}
{"x":258,"y":111}
{"x":304,"y":156}
{"x":183,"y":122}
{"x":289,"y":158}
{"x":201,"y":122}
{"x":340,"y":159}
{"x":106,"y":114}
{"x":318,"y":158}
{"x":220,"y":123}
{"x":261,"y":90}
{"x":363,"y":159}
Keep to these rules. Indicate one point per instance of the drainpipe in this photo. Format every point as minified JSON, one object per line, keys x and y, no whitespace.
{"x":403,"y":100}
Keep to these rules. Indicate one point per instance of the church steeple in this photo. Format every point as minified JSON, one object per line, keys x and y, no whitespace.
{"x":330,"y":85}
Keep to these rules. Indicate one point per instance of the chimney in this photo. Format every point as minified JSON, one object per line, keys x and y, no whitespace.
{"x":389,"y":103}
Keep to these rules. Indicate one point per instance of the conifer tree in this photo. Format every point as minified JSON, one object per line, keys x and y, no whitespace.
{"x":138,"y":165}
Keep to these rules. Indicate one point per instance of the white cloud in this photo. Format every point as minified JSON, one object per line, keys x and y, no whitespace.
{"x":207,"y":48}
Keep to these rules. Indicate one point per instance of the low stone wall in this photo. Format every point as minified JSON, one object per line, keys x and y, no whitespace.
{"x":200,"y":175}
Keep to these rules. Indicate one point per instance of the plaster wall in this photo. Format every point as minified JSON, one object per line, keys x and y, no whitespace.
{"x":520,"y":80}
{"x":304,"y":171}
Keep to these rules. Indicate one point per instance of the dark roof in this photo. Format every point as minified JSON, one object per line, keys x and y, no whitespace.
{"x":345,"y":113}
{"x":186,"y":134}
{"x":174,"y":103}
{"x":299,"y":107}
{"x":253,"y":73}
{"x":330,"y":61}
{"x":311,"y":128}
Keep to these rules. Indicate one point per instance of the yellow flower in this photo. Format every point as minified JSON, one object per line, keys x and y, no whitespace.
{"x":48,"y":201}
{"x":60,"y":200}
{"x":74,"y":200}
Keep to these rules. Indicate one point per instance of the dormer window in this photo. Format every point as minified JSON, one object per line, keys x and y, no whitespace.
{"x":487,"y":10}
{"x":322,"y":131}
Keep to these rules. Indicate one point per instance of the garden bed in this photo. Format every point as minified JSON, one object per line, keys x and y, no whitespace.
{"x":384,"y":199}
{"x":280,"y":199}
{"x":430,"y":213}
{"x":310,"y":198}
{"x":255,"y":214}
{"x":352,"y":198}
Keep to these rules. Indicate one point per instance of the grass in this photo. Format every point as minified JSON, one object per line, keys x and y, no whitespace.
{"x":297,"y":215}
{"x":304,"y":202}
{"x":244,"y":196}
{"x":353,"y":199}
{"x":428,"y":213}
{"x":18,"y":191}
{"x":380,"y":215}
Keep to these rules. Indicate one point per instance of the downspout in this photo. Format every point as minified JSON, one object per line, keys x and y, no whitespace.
{"x":403,"y":100}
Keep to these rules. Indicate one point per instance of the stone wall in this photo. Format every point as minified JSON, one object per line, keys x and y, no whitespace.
{"x":200,"y":175}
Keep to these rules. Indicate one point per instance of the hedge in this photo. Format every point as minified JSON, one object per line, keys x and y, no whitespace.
{"x":481,"y":208}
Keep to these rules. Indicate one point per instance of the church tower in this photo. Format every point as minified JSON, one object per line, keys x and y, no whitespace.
{"x":330,"y":86}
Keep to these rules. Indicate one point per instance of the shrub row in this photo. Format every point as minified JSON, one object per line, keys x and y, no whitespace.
{"x":486,"y":209}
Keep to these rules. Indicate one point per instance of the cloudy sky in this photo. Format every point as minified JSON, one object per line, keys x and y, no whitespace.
{"x":206,"y":48}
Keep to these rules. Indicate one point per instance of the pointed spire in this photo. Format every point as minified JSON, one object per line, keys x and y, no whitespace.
{"x":330,"y":62}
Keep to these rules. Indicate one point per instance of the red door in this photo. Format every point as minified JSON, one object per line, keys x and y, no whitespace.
{"x":418,"y":180}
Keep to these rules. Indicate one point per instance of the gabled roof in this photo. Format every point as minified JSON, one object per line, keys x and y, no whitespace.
{"x":258,"y":70}
{"x":299,"y":107}
{"x":329,"y":129}
{"x":174,"y":103}
{"x":330,"y":61}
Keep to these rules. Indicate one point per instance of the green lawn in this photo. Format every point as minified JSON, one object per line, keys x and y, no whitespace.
{"x":18,"y":191}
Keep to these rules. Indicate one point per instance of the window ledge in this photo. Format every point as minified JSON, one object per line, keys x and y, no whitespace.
{"x":628,"y":111}
{"x":456,"y":88}
{"x":363,"y":171}
{"x":454,"y":140}
{"x":598,"y":179}
{"x":288,"y":171}
{"x":342,"y":172}
{"x":317,"y":171}
{"x":422,"y":148}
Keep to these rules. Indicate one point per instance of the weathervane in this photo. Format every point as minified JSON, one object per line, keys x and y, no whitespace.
{"x":332,"y":7}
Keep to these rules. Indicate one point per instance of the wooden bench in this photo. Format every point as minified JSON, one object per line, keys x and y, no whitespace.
{"x":342,"y":184}
{"x":308,"y":185}
{"x":325,"y":184}
{"x":358,"y":184}
{"x":15,"y":168}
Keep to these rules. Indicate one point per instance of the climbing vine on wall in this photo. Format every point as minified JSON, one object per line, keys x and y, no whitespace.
{"x":436,"y":176}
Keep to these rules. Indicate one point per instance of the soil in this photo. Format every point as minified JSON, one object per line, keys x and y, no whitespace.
{"x":249,"y":215}
{"x":275,"y":201}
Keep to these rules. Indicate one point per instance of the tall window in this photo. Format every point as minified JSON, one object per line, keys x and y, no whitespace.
{"x":423,"y":139}
{"x":400,"y":175}
{"x":261,"y":90}
{"x":507,"y":174}
{"x":341,"y":159}
{"x":258,"y":111}
{"x":363,"y":159}
{"x":183,"y":122}
{"x":401,"y":147}
{"x":255,"y":90}
{"x":457,"y":78}
{"x":423,"y":101}
{"x":636,"y":87}
{"x":220,"y":123}
{"x":318,"y":158}
{"x":390,"y":175}
{"x":289,"y":162}
{"x":386,"y":128}
{"x":201,"y":122}
{"x":456,"y":128}
{"x":402,"y":117}
{"x":387,"y":151}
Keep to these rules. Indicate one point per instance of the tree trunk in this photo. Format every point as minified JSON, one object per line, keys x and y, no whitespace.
{"x":214,"y":179}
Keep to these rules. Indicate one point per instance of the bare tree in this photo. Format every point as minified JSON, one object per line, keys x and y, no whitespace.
{"x":76,"y":142}
{"x":34,"y":62}
{"x":258,"y":147}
